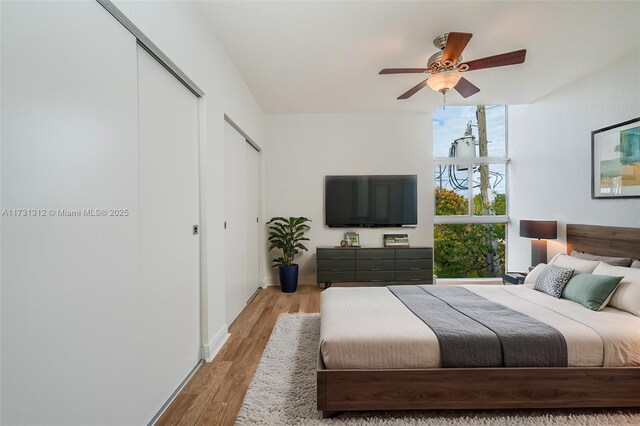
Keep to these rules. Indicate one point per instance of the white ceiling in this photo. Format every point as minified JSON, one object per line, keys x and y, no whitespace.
{"x":324,"y":56}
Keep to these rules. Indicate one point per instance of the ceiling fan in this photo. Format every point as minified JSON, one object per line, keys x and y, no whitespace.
{"x":446,"y":66}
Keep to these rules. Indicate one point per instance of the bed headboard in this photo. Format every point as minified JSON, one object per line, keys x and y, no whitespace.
{"x":604,"y":240}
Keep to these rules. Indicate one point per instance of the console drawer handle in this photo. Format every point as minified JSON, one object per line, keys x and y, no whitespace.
{"x":376,"y":269}
{"x":336,"y":270}
{"x":414,"y":279}
{"x":376,"y":281}
{"x":414,"y":269}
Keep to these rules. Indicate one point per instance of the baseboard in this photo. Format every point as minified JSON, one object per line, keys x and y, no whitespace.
{"x":211,"y":349}
{"x":300,"y":282}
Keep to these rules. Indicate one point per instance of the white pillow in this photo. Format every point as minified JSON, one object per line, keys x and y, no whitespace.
{"x":627,"y":295}
{"x":635,"y":264}
{"x":533,"y":275}
{"x":581,"y":265}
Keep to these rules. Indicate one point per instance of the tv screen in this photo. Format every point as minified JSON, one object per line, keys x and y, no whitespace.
{"x":371,"y":201}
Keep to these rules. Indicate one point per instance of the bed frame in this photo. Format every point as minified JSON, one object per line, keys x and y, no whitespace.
{"x":491,"y":388}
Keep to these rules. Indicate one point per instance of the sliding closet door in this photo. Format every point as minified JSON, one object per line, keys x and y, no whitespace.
{"x":70,"y":300}
{"x":170,"y":296}
{"x":241,"y":210}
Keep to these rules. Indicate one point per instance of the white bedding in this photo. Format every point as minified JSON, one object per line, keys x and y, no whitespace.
{"x":369,"y":328}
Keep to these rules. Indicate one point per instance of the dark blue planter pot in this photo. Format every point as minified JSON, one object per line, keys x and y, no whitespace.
{"x":289,"y":278}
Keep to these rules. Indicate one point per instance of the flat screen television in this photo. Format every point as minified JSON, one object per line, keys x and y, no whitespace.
{"x":371,"y":201}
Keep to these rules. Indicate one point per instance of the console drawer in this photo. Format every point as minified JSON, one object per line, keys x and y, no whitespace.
{"x":414,"y":264}
{"x":336,"y":277}
{"x":329,"y":265}
{"x":414,"y":253}
{"x":376,"y":276}
{"x":376,"y":265}
{"x":424,"y":275}
{"x":375,"y":254}
{"x":336,"y":254}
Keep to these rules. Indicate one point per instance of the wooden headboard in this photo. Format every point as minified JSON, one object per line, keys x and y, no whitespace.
{"x":604,"y":240}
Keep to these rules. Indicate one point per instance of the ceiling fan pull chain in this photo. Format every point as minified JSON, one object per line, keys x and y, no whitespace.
{"x":444,"y":100}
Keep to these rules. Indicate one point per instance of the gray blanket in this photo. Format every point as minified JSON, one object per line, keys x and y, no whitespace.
{"x":476,"y":332}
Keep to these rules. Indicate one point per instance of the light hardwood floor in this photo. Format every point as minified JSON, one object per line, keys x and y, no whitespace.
{"x":215,"y":393}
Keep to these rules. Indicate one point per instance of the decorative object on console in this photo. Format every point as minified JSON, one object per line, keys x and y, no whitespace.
{"x":396,"y":240}
{"x":352,"y":239}
{"x":287,"y":235}
{"x":615,"y":161}
{"x":542,"y":230}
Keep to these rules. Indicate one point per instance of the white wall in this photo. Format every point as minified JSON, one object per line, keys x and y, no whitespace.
{"x":73,"y":321}
{"x":550,"y":149}
{"x":180,"y":31}
{"x":306,"y":147}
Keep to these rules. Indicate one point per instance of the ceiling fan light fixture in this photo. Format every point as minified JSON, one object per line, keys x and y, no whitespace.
{"x":444,"y":81}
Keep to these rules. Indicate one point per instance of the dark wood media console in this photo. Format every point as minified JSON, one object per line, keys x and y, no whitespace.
{"x":374,"y":265}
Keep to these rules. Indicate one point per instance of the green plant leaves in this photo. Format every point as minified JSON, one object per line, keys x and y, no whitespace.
{"x":286,"y":234}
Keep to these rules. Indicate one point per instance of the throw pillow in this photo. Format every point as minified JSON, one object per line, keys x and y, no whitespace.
{"x":553,"y":280}
{"x":535,"y":272}
{"x":635,"y":264}
{"x":581,"y":265}
{"x":627,"y":295}
{"x":592,"y":291}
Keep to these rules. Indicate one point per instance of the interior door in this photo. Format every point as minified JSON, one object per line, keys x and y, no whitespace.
{"x":70,"y":296}
{"x":170,"y":296}
{"x":242,"y":202}
{"x":252,"y":219}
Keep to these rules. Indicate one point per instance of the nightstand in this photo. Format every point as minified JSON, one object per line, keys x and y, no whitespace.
{"x":514,"y":278}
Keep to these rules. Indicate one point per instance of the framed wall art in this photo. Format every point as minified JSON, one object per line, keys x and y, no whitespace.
{"x":615,"y":161}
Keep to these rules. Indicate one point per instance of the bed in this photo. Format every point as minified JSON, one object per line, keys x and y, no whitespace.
{"x":377,"y":354}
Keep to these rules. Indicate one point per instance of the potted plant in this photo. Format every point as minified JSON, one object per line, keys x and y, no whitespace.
{"x":287,"y":235}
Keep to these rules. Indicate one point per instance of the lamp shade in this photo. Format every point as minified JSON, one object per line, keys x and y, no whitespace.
{"x":444,"y":81}
{"x":544,"y":229}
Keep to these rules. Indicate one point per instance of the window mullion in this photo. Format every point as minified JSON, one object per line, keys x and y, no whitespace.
{"x":470,"y":189}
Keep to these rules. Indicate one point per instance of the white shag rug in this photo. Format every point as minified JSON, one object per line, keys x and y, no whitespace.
{"x":283,"y":392}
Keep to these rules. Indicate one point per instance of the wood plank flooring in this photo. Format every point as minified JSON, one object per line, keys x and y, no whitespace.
{"x":214,"y":394}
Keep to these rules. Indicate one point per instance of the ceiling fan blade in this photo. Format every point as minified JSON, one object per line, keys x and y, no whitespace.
{"x":402,"y":70}
{"x":413,"y":90}
{"x":466,"y":88}
{"x":456,"y":42}
{"x":510,"y":58}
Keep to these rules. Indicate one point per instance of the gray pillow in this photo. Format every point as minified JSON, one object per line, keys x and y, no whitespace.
{"x":613,"y":261}
{"x":635,"y":263}
{"x":552,"y":280}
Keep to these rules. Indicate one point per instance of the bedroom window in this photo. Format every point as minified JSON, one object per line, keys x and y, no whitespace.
{"x":470,"y":180}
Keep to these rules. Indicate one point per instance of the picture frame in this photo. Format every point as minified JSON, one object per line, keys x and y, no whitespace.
{"x":352,"y":239}
{"x":615,"y":161}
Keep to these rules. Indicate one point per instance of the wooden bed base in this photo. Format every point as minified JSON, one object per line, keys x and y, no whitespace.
{"x":492,"y":388}
{"x":476,"y":388}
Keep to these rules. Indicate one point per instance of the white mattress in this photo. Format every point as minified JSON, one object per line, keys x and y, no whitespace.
{"x":369,"y":328}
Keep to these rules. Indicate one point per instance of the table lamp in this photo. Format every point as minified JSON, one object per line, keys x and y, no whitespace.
{"x":543,"y":230}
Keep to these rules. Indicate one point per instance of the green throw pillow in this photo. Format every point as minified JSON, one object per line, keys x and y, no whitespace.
{"x":592,"y":291}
